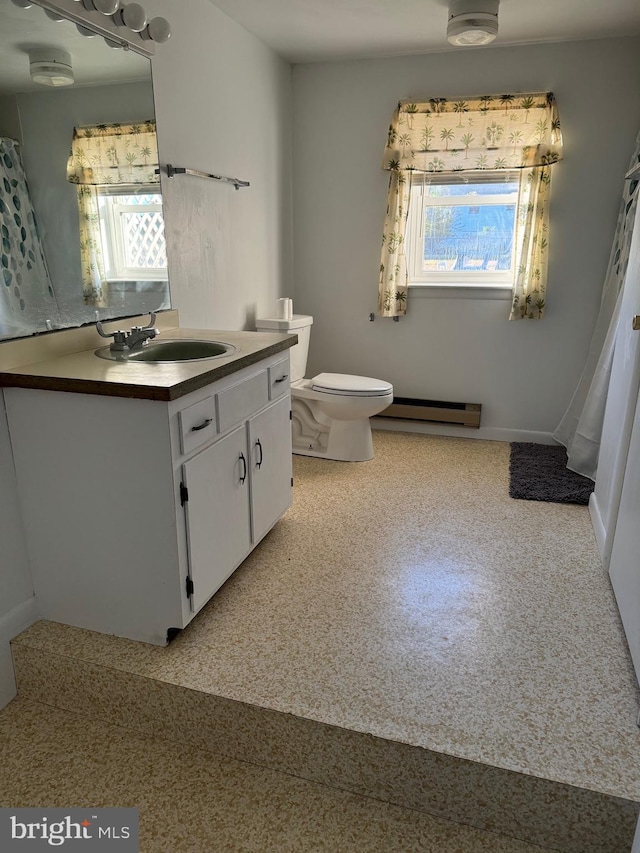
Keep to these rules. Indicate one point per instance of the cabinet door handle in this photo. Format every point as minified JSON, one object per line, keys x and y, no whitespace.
{"x":282,"y":378}
{"x":244,"y":468}
{"x":204,"y":424}
{"x":259,"y":446}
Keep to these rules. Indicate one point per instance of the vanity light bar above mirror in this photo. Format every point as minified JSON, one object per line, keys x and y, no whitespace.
{"x":120,"y":24}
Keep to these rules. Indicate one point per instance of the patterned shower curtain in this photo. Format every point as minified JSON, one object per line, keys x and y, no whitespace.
{"x":27,"y":299}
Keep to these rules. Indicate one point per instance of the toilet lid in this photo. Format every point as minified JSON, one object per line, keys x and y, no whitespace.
{"x":352,"y":386}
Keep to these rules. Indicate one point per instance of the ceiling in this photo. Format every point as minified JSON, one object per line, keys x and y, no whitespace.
{"x":93,"y":62}
{"x":317,"y":30}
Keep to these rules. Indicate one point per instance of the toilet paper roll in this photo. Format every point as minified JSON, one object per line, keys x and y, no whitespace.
{"x":285,"y":309}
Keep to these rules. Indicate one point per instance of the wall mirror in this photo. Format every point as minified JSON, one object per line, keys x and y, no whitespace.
{"x":82,"y":235}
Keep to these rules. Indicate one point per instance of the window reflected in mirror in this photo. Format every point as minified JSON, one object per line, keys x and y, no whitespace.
{"x":81,"y":222}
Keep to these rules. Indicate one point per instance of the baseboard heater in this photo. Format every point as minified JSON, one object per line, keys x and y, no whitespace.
{"x":434,"y":412}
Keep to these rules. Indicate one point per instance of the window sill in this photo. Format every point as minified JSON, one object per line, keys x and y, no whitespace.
{"x":139,"y":284}
{"x":460,"y":291}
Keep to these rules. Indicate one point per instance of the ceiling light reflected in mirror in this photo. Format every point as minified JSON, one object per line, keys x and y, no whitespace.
{"x":51,"y":67}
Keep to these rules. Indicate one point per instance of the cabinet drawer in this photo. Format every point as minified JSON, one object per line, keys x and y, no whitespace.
{"x":279,"y":379}
{"x":240,"y":401}
{"x":198,"y":424}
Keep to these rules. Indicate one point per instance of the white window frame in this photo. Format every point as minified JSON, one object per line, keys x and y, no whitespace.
{"x":112,"y":232}
{"x":500,"y":281}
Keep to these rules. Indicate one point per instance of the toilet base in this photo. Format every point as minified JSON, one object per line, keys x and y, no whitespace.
{"x":314,"y":434}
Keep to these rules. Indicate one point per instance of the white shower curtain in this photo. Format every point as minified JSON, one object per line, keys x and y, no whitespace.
{"x":580,"y":429}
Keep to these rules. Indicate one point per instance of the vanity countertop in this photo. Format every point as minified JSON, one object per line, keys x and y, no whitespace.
{"x":84,"y":373}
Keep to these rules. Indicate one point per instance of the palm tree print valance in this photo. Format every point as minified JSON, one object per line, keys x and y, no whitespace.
{"x":105,"y":154}
{"x":488,"y":132}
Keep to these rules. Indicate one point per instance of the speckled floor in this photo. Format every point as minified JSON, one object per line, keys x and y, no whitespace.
{"x":410,"y":598}
{"x":192,"y":802}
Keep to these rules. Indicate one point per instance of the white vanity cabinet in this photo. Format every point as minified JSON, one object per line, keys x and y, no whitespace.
{"x":136,"y":510}
{"x":234,"y":491}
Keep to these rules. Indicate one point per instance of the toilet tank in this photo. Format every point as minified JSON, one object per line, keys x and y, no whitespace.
{"x":300,"y":325}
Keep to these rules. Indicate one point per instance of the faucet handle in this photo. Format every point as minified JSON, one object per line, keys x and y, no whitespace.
{"x":118,"y":337}
{"x":100,"y":330}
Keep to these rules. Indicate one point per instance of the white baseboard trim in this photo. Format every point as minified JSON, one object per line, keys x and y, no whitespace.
{"x":598,"y":526}
{"x":484,"y":433}
{"x":11,"y":624}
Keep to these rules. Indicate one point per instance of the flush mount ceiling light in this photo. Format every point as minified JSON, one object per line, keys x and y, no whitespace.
{"x":472,"y":22}
{"x":51,"y":67}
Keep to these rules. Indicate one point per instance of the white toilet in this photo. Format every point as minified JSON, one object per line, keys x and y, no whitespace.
{"x":330,"y":413}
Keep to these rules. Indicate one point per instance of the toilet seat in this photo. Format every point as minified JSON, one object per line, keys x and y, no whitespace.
{"x":350,"y":386}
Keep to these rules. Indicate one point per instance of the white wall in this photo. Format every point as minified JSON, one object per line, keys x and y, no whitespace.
{"x":222,"y":105}
{"x":9,"y":118}
{"x":523,"y":373}
{"x":17,"y":604}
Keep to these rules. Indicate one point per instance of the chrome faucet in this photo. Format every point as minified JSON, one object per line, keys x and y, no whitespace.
{"x":139,"y":336}
{"x":136,"y":338}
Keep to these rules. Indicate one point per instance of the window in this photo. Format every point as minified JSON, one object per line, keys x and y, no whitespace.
{"x":132,"y":230}
{"x":470,"y":229}
{"x":122,"y":248}
{"x":461,"y":229}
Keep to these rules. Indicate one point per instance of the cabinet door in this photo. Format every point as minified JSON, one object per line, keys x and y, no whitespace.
{"x":270,"y":452}
{"x":217,"y":513}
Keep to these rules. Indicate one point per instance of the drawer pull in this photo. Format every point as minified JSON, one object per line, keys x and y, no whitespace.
{"x":282,"y":378}
{"x":204,"y":424}
{"x":259,"y":446}
{"x":244,"y":468}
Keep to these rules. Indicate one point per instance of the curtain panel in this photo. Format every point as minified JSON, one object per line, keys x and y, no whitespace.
{"x":486,"y":133}
{"x":580,"y":429}
{"x":106,"y":155}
